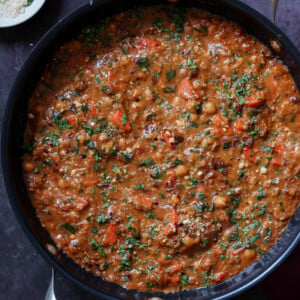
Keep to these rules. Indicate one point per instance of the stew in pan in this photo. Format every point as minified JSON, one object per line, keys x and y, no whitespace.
{"x":162,"y":149}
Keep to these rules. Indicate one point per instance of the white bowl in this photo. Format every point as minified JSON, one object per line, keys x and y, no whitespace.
{"x":29,"y":11}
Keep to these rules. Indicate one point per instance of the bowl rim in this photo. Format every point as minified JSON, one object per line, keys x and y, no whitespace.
{"x":29,"y":12}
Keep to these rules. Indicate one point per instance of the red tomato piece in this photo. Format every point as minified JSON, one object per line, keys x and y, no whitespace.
{"x":72,"y":120}
{"x":237,"y":251}
{"x":119,"y":118}
{"x":110,"y":78}
{"x":81,"y":204}
{"x":249,"y":154}
{"x":239,"y":125}
{"x":175,"y":268}
{"x":93,"y":108}
{"x":146,"y":43}
{"x":111,"y":235}
{"x":219,"y":276}
{"x":186,"y":90}
{"x":255,"y":100}
{"x":170,"y":228}
{"x":276,"y":162}
{"x":279,"y":149}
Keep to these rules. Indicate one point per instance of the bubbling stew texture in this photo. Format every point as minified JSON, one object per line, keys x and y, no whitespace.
{"x":162,"y":149}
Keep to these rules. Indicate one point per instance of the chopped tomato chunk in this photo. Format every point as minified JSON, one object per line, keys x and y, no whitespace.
{"x":72,"y":120}
{"x":93,"y":108}
{"x":278,"y":149}
{"x":237,"y":251}
{"x":111,"y":235}
{"x":146,"y":43}
{"x":81,"y":204}
{"x":170,"y":228}
{"x":239,"y":125}
{"x":186,"y":90}
{"x":255,"y":100}
{"x":249,"y":154}
{"x":175,"y":268}
{"x":119,"y":118}
{"x":110,"y":78}
{"x":276,"y":162}
{"x":219,"y":276}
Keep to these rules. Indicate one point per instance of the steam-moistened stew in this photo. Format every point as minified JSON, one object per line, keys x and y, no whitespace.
{"x":162,"y":149}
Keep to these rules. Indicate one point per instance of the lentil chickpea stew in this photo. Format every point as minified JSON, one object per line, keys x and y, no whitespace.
{"x":162,"y":149}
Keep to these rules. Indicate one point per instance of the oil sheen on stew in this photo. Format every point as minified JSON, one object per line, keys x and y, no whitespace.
{"x":162,"y":149}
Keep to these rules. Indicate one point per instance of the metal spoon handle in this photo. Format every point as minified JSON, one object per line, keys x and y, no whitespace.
{"x":274,"y":9}
{"x":50,"y":291}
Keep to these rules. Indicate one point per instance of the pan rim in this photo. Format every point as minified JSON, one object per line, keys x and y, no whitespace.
{"x":46,"y":39}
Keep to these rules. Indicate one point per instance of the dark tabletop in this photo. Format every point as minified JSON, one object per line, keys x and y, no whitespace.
{"x":24,"y":274}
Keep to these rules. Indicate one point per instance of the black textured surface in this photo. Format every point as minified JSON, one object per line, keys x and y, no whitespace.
{"x":23,"y":273}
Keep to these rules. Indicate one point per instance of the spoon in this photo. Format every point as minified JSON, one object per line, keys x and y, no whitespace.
{"x":274,"y":9}
{"x":50,"y":292}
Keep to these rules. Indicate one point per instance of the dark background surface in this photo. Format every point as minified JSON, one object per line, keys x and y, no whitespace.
{"x":24,"y":274}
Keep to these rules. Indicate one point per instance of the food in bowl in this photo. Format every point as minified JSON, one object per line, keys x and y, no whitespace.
{"x":162,"y":149}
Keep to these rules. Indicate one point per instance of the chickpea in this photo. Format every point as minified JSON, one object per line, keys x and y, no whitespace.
{"x":207,"y":141}
{"x":61,"y":183}
{"x":249,"y":254}
{"x":220,"y":201}
{"x":136,"y":93}
{"x":28,"y":166}
{"x":148,"y":94}
{"x":122,"y":143}
{"x":178,"y":101}
{"x":158,"y":156}
{"x":202,"y":163}
{"x":189,"y":241}
{"x":181,"y":170}
{"x":137,"y":105}
{"x":209,"y":107}
{"x":193,"y":117}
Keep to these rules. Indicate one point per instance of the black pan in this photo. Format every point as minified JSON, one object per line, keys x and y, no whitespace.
{"x":15,"y":121}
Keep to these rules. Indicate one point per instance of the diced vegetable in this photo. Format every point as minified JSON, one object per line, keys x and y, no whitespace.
{"x":249,"y":154}
{"x":111,"y":235}
{"x":186,"y":90}
{"x":119,"y":118}
{"x":72,"y":120}
{"x":175,"y":268}
{"x":146,"y":43}
{"x":170,"y":228}
{"x":81,"y":204}
{"x":255,"y":100}
{"x":239,"y":125}
{"x":219,"y":276}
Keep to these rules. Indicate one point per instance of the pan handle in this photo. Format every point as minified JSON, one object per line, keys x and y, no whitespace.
{"x":274,"y":9}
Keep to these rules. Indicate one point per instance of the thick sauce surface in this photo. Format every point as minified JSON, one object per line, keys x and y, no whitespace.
{"x":163,"y":149}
